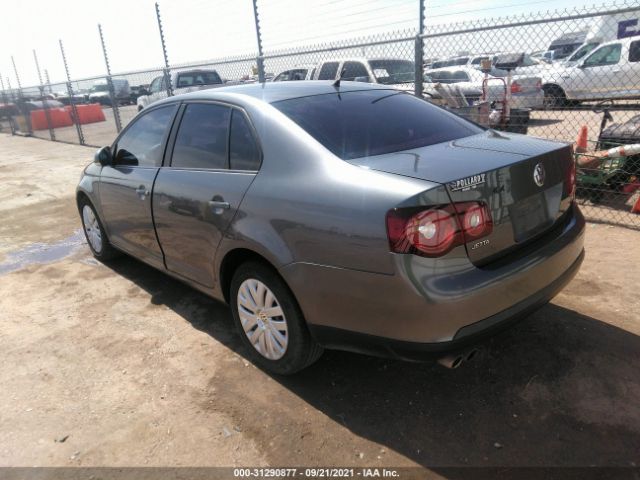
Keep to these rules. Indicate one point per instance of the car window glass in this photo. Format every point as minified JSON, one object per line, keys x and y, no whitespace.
{"x":243,"y":150}
{"x":201,"y":141}
{"x":373,"y":122}
{"x":459,"y":76}
{"x":198,"y":78}
{"x":155,"y":85}
{"x":142,"y":143}
{"x":607,"y":55}
{"x":352,"y":70}
{"x":284,"y":76}
{"x":328,"y":71}
{"x":634,"y":51}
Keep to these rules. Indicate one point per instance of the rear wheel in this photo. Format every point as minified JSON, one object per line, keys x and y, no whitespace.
{"x":270,"y":321}
{"x":554,"y":96}
{"x":94,"y":233}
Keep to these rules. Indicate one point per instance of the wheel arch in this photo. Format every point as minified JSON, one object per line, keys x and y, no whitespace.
{"x":230,"y":263}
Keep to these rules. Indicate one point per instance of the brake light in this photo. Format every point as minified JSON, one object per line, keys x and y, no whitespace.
{"x":570,"y":179}
{"x":435,"y":231}
{"x":539,"y":85}
{"x":516,"y":87}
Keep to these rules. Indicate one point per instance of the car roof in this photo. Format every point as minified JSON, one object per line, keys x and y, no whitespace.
{"x":452,"y":68}
{"x":623,"y":41}
{"x":270,"y":92}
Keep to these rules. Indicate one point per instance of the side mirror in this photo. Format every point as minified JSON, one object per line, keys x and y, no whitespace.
{"x":104,"y":156}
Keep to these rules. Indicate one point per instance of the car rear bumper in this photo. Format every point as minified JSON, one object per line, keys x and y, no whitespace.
{"x":434,"y":305}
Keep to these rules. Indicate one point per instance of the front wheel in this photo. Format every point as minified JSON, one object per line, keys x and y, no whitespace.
{"x":270,"y":321}
{"x":95,"y":234}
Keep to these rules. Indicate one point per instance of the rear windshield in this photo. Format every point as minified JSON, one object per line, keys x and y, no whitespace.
{"x":198,"y":78}
{"x":374,"y":122}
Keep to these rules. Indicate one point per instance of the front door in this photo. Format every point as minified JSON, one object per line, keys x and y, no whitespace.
{"x":126,"y":186}
{"x":214,"y":159}
{"x":600,"y":75}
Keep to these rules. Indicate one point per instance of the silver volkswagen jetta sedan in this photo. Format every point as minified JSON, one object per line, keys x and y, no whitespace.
{"x":347,"y":216}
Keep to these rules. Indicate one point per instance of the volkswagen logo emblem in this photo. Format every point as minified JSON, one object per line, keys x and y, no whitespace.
{"x":539,"y":174}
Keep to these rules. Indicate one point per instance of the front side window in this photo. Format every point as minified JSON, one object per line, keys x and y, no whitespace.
{"x":155,"y":85}
{"x":142,"y":143}
{"x":328,"y":71}
{"x":374,"y":122}
{"x":243,"y":150}
{"x":607,"y":55}
{"x":201,"y":142}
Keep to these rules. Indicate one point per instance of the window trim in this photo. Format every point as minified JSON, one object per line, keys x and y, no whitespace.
{"x":165,"y":138}
{"x":168,"y":159}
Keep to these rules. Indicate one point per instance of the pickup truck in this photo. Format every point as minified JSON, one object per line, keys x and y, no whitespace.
{"x":182,"y":82}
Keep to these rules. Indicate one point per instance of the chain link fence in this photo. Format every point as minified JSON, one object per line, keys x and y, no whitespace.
{"x":571,"y":76}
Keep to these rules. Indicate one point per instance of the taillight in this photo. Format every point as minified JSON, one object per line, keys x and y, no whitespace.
{"x":434,"y":231}
{"x":570,"y":179}
{"x":539,"y":85}
{"x":516,"y":87}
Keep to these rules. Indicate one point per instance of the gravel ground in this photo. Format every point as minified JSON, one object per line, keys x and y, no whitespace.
{"x":119,"y":365}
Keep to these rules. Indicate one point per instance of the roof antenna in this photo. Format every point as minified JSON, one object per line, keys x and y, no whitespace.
{"x":337,"y":82}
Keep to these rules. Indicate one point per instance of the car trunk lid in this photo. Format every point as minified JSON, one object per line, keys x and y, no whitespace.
{"x":520,"y":179}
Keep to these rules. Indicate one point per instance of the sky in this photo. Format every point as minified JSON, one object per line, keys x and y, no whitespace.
{"x":206,"y":29}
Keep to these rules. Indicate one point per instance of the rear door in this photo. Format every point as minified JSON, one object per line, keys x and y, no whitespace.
{"x":600,"y":75}
{"x":125,"y":187}
{"x":214,"y":159}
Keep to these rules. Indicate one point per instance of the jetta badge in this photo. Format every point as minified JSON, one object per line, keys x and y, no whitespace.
{"x":539,"y":174}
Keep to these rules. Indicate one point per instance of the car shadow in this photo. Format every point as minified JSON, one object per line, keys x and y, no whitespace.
{"x":558,"y":389}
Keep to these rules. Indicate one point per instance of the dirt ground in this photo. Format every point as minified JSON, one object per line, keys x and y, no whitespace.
{"x":119,"y":365}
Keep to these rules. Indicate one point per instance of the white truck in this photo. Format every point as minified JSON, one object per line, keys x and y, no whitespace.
{"x":182,"y":82}
{"x":573,"y":46}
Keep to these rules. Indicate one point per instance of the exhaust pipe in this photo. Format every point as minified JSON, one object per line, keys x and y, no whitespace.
{"x":454,"y":360}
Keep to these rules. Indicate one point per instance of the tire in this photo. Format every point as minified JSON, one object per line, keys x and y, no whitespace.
{"x":94,"y":232}
{"x":285,"y":339}
{"x":554,"y":96}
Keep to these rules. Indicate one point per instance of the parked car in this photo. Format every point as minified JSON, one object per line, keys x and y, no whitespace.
{"x":526,"y":91}
{"x":610,"y":71}
{"x":99,"y":92}
{"x":301,"y":72}
{"x":349,"y":216}
{"x":386,"y":71}
{"x":182,"y":82}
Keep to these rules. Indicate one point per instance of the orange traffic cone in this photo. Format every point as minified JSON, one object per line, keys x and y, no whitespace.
{"x":636,"y":206}
{"x":581,"y":140}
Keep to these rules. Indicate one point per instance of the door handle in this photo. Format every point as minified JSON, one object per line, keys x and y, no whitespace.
{"x":219,"y":206}
{"x":142,"y":192}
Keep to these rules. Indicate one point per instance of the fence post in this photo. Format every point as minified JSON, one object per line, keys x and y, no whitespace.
{"x":5,"y":100}
{"x":46,"y":75}
{"x":419,"y":53}
{"x":166,"y":72}
{"x":72,"y":100}
{"x":115,"y":107}
{"x":260,"y":59}
{"x":22,"y":107}
{"x":11,"y":97}
{"x":45,"y":104}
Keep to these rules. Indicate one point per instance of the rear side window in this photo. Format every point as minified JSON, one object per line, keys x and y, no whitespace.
{"x":352,"y":70}
{"x":373,"y":122}
{"x":201,"y":141}
{"x":142,"y":143}
{"x":243,"y":150}
{"x":634,"y":51}
{"x":328,"y":71}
